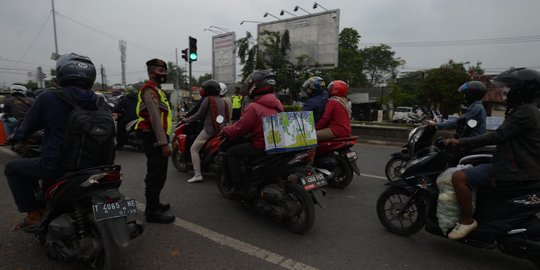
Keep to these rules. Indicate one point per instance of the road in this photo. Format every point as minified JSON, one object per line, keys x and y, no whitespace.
{"x":214,"y":233}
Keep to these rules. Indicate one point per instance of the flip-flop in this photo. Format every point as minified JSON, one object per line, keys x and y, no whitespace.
{"x":25,"y":227}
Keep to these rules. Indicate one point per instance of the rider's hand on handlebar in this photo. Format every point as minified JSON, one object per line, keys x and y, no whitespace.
{"x":451,"y":142}
{"x":431,"y":123}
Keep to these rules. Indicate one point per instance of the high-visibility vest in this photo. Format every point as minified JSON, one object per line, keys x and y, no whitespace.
{"x":236,"y":102}
{"x":142,"y":112}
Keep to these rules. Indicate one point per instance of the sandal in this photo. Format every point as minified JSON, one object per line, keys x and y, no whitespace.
{"x":26,"y":227}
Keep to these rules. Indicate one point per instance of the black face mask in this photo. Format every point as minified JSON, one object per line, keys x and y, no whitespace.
{"x":161,"y":78}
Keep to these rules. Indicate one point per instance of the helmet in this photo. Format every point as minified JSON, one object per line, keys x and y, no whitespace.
{"x":473,"y":91}
{"x":260,"y":82}
{"x":211,"y":88}
{"x":315,"y":84}
{"x":74,"y":69}
{"x":519,"y":84}
{"x":18,"y":90}
{"x":338,"y":88}
{"x":223,"y":91}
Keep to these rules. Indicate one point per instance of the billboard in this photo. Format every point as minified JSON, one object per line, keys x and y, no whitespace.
{"x":223,"y":57}
{"x":315,"y":36}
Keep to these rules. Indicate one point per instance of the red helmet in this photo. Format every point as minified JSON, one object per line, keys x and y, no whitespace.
{"x":338,"y":88}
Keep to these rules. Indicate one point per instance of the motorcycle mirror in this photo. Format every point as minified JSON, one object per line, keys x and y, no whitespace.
{"x":220,"y":119}
{"x":472,"y":123}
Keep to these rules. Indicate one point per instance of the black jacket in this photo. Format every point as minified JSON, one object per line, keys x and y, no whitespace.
{"x":127,"y":108}
{"x":517,"y":157}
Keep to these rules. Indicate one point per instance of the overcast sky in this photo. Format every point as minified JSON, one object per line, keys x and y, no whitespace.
{"x":156,"y":28}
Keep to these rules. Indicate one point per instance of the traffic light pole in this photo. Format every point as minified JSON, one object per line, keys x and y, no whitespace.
{"x":190,"y":83}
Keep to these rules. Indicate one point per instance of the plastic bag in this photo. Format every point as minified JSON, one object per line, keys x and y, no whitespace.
{"x":448,"y":212}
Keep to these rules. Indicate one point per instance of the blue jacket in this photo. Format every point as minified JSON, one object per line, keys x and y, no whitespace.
{"x":475,"y":111}
{"x":316,"y":103}
{"x":50,"y":113}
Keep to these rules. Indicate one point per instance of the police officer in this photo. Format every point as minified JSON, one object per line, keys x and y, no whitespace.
{"x":236,"y":105}
{"x":154,"y":126}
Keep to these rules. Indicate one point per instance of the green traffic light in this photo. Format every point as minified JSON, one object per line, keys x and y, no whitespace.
{"x":193,"y":56}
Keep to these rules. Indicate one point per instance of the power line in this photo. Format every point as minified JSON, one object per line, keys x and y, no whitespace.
{"x":116,"y":38}
{"x":22,"y":62}
{"x":33,"y":41}
{"x":462,"y":42}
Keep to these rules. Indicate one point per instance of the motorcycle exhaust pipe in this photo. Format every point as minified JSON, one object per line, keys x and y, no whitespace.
{"x":327,"y":174}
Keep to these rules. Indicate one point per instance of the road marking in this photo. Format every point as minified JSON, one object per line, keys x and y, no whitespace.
{"x":244,"y":247}
{"x":373,"y":176}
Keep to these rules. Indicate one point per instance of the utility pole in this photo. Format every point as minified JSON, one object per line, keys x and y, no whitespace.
{"x":123,"y":59}
{"x":54,"y":25}
{"x":102,"y":71}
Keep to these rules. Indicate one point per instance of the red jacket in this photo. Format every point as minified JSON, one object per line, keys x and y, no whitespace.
{"x":250,"y":122}
{"x":335,"y":117}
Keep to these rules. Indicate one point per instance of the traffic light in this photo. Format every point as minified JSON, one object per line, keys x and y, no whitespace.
{"x":192,"y":49}
{"x":185,"y":54}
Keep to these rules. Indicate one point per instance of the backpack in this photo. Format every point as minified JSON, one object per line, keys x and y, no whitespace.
{"x":89,"y":140}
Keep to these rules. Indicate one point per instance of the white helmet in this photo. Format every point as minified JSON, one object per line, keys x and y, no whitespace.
{"x":18,"y":89}
{"x":223,"y":87}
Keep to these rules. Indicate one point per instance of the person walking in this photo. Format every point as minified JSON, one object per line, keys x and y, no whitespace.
{"x":154,"y":126}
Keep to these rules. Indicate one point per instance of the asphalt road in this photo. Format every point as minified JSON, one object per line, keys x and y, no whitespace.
{"x":214,"y":233}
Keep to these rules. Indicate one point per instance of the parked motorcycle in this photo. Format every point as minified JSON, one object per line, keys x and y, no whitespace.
{"x":506,"y":214}
{"x":86,"y":217}
{"x":132,"y":138}
{"x":281,"y":185}
{"x":336,"y":161}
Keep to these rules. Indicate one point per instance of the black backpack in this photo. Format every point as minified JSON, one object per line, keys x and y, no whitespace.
{"x":89,"y":140}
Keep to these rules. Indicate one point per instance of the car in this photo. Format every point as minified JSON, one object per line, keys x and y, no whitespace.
{"x":401,"y":114}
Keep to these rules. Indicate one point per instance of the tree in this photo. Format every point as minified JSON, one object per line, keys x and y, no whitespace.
{"x":350,"y":61}
{"x":203,"y":78}
{"x":176,"y":75}
{"x":380,"y":64}
{"x":247,"y":52}
{"x":439,"y":88}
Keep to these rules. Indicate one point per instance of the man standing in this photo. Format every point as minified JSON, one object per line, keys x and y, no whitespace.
{"x":154,"y":126}
{"x":236,"y":105}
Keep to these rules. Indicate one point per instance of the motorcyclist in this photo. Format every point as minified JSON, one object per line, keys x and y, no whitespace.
{"x":127,"y":111}
{"x":227,"y":99}
{"x":317,"y":96}
{"x":212,"y":107}
{"x":517,"y":155}
{"x":261,"y":86}
{"x":75,"y":75}
{"x":17,"y":105}
{"x":336,"y":120}
{"x":473,"y":92}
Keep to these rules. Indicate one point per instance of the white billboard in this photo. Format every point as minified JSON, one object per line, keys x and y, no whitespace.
{"x":315,"y":36}
{"x":223,"y":57}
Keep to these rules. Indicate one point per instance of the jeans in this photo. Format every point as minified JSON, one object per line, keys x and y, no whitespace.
{"x":236,"y":154}
{"x":156,"y":171}
{"x":23,"y":175}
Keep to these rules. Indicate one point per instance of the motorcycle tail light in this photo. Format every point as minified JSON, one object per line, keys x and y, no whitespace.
{"x":103,"y":178}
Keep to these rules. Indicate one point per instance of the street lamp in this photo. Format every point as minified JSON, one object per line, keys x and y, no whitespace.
{"x":315,"y":5}
{"x":266,"y":15}
{"x":242,"y":22}
{"x":225,"y":30}
{"x":213,"y":31}
{"x":297,"y":7}
{"x":284,"y":11}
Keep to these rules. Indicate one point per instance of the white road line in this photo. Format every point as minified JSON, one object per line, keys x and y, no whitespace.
{"x":244,"y":247}
{"x":373,"y":176}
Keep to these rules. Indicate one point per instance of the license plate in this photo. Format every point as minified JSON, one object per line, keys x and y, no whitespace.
{"x":104,"y":211}
{"x":352,"y":156}
{"x":313,"y":181}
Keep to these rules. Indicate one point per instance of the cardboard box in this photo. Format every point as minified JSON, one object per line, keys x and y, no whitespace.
{"x":289,"y":131}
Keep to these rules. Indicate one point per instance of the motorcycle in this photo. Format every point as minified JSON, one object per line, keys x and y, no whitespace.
{"x":132,"y":138}
{"x":336,"y":161}
{"x":419,"y":143}
{"x":280,"y":185}
{"x":86,"y":217}
{"x":184,"y":136}
{"x":506,"y":214}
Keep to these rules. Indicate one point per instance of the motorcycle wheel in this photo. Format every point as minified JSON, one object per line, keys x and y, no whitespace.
{"x":179,"y":161}
{"x":224,"y":185}
{"x":393,"y":168}
{"x":109,"y":257}
{"x":343,"y":174}
{"x":391,"y":202}
{"x":302,"y":220}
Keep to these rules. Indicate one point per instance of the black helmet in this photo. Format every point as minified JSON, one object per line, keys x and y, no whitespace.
{"x":522,"y":84}
{"x":74,"y":69}
{"x":211,"y":88}
{"x":473,"y":91}
{"x":260,"y":82}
